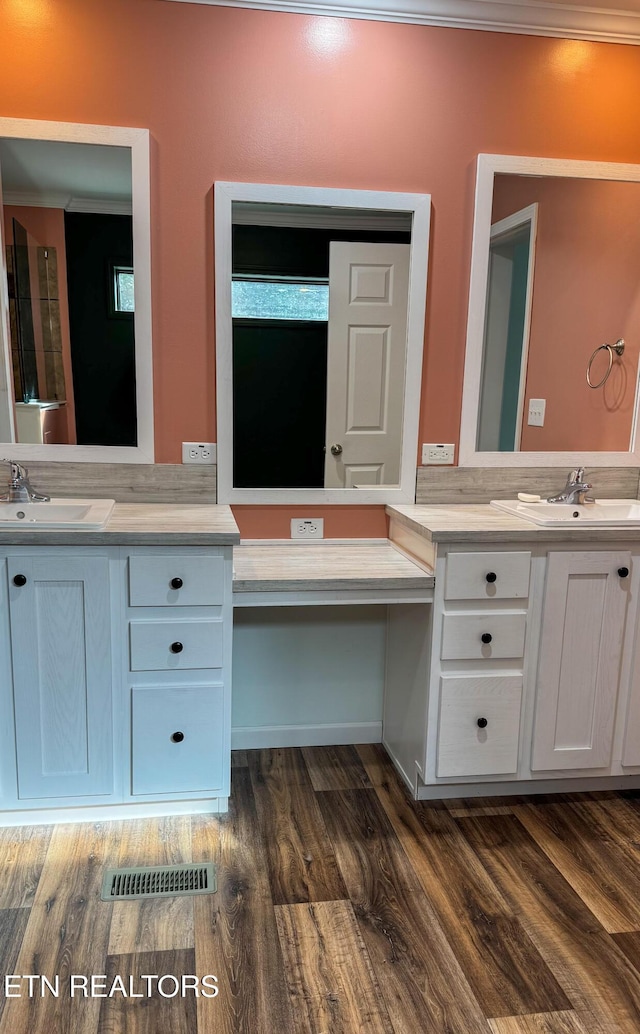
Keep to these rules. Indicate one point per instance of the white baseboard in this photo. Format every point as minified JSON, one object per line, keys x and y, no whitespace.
{"x":305,"y":735}
{"x":111,"y":812}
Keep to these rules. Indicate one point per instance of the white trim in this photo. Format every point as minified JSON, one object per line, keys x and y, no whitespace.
{"x":487,"y":166}
{"x":294,"y":597}
{"x":531,"y":18}
{"x":99,"y":207}
{"x":419,"y":205}
{"x":525,"y":217}
{"x":138,"y":141}
{"x":445,"y":791}
{"x":111,"y":812}
{"x":263,"y":215}
{"x":264,"y":736}
{"x":36,"y":199}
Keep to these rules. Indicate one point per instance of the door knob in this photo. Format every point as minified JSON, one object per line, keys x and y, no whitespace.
{"x":336,"y":449}
{"x":20,"y":580}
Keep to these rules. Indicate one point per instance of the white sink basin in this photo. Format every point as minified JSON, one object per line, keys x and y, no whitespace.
{"x":605,"y":513}
{"x":90,"y":514}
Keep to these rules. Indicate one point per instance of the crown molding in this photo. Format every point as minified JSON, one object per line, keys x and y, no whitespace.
{"x":308,"y":217}
{"x":528,"y":17}
{"x":36,"y":199}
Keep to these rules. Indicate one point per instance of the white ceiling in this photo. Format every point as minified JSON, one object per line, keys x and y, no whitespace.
{"x":77,"y":177}
{"x":613,"y":21}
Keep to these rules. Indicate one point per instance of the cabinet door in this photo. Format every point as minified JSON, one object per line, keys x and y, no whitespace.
{"x":60,"y":645}
{"x":580,"y":654}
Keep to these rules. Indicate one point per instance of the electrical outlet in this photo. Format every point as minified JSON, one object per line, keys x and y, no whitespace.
{"x":435,"y":453}
{"x":198,"y":452}
{"x":307,"y":528}
{"x":536,"y":412}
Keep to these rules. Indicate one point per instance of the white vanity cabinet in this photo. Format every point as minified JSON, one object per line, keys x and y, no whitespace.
{"x":179,"y":652}
{"x":477,"y":660}
{"x":60,"y":634}
{"x":115,"y":669}
{"x":578,"y":684}
{"x":529,"y":663}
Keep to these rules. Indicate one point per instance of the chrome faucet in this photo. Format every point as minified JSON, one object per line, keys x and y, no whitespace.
{"x":575,"y":490}
{"x":19,"y":489}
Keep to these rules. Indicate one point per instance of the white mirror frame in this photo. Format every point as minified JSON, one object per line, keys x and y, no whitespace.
{"x":138,"y":141}
{"x":420,"y":207}
{"x":487,"y":166}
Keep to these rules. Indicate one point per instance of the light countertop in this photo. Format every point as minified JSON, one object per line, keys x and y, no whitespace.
{"x":483,"y":523}
{"x":140,"y":524}
{"x":273,"y":567}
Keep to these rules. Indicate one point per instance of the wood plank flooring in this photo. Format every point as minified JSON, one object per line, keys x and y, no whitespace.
{"x":342,"y":907}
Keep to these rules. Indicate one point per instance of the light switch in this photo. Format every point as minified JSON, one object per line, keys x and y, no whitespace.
{"x":536,"y":412}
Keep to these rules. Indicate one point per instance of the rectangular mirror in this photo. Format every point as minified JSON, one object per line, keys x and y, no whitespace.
{"x":320,"y":300}
{"x":75,"y":336}
{"x":551,"y":368}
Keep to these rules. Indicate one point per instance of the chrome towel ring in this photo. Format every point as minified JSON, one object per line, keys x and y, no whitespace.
{"x":618,"y":348}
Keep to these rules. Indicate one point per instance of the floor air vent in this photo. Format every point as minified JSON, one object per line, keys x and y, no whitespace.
{"x":158,"y":881}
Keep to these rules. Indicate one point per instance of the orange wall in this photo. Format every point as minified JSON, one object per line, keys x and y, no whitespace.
{"x":250,"y":95}
{"x":47,"y":226}
{"x":340,"y":522}
{"x":586,"y":291}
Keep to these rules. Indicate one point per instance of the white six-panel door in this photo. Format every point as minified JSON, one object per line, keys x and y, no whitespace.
{"x":367,"y":342}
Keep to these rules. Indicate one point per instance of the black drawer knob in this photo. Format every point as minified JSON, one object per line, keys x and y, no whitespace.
{"x":177,"y":737}
{"x":20,"y":579}
{"x":623,"y":572}
{"x":486,"y":637}
{"x":176,"y":583}
{"x":491,"y":577}
{"x":176,"y":648}
{"x":482,"y":723}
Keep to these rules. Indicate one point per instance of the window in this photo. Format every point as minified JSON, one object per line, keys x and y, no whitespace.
{"x":123,"y":289}
{"x":279,"y":298}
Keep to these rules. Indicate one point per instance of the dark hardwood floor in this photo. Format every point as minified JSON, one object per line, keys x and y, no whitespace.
{"x":342,"y":908}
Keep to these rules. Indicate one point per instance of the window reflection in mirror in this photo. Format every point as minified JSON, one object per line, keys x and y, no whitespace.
{"x":67,"y":218}
{"x":562,"y":280}
{"x":319,"y":326}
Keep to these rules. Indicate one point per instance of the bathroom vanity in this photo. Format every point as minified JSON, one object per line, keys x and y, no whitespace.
{"x":525,"y":680}
{"x":115,"y":665}
{"x":509,"y":654}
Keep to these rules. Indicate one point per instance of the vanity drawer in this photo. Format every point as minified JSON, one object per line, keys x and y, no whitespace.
{"x":164,"y":645}
{"x":478,"y":726}
{"x":176,"y":739}
{"x":176,"y":581}
{"x":462,"y":636}
{"x":482,"y":576}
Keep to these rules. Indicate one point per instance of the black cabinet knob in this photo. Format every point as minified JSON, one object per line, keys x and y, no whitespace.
{"x":176,"y":583}
{"x":486,"y":637}
{"x":623,"y":572}
{"x":20,"y":579}
{"x":491,"y":577}
{"x":177,"y":737}
{"x":482,"y":723}
{"x":176,"y":648}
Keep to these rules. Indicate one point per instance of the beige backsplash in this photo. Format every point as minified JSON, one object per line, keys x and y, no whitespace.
{"x":189,"y":483}
{"x":481,"y":484}
{"x":126,"y":482}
